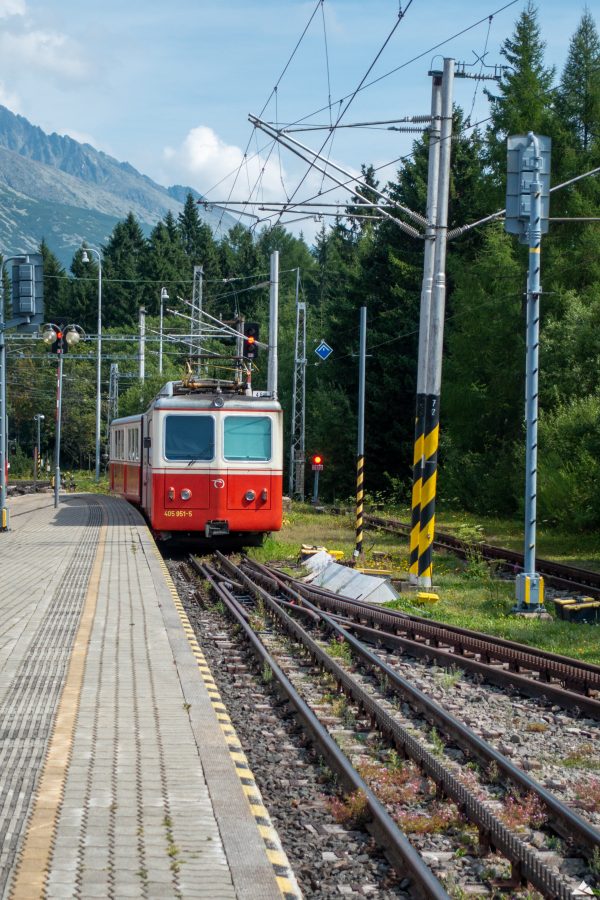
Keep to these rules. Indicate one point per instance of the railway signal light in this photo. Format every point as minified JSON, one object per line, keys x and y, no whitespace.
{"x":316,"y":462}
{"x":59,"y":338}
{"x":251,"y":330}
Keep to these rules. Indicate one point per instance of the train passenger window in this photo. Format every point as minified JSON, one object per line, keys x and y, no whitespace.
{"x":189,"y":437}
{"x":247,"y":437}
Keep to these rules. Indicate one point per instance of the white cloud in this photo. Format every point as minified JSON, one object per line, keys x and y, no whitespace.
{"x":9,"y":99}
{"x":46,"y":51}
{"x":12,"y":8}
{"x":208,"y":162}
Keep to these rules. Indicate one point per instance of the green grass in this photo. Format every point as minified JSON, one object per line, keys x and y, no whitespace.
{"x":571,"y":548}
{"x":469,"y":594}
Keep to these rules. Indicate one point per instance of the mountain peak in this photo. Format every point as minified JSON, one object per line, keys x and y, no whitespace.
{"x":55,"y":187}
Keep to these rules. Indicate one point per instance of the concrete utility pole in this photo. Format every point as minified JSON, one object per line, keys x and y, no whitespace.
{"x":433,"y":379}
{"x":425,"y":315}
{"x":142,"y":321}
{"x":297,"y":443}
{"x":273,"y":324}
{"x":38,"y":420}
{"x":164,"y":296}
{"x":360,"y":452}
{"x":113,"y":392}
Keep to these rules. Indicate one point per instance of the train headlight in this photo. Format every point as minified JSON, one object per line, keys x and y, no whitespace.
{"x":186,"y":494}
{"x":171,"y":493}
{"x":249,"y":496}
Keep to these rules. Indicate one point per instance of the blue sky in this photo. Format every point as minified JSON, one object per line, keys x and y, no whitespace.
{"x":168,"y":86}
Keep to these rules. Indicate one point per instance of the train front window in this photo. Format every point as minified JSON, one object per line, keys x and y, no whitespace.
{"x":189,"y":437}
{"x":247,"y":437}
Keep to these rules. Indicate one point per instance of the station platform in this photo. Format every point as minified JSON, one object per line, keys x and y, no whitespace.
{"x":120,"y":772}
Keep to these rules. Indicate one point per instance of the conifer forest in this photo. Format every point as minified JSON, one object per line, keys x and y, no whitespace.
{"x":355,"y":262}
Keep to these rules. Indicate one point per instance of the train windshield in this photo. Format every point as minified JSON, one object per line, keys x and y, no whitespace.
{"x":189,"y":437}
{"x":247,"y":437}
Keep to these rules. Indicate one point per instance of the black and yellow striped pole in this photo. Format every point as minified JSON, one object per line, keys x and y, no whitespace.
{"x":415,"y":511}
{"x":433,"y":378}
{"x":425,"y":315}
{"x":360,"y":454}
{"x":428,"y":489}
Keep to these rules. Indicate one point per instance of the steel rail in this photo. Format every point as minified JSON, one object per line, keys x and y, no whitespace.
{"x":493,"y":674}
{"x":559,"y":574}
{"x":392,"y":837}
{"x":575,"y":674}
{"x":568,"y":823}
{"x":526,"y":864}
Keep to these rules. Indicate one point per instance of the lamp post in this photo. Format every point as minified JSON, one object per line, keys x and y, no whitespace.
{"x":85,"y":259}
{"x":37,"y":418}
{"x":163,"y":296}
{"x":60,"y":339}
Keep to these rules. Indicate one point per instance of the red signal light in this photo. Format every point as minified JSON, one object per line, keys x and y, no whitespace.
{"x":317,"y":460}
{"x":250,"y":340}
{"x":59,"y":335}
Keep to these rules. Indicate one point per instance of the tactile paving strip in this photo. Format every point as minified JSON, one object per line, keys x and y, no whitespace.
{"x":27,"y":709}
{"x":284,"y":875}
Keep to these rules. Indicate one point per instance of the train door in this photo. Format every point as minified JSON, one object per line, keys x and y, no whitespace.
{"x":146,"y":452}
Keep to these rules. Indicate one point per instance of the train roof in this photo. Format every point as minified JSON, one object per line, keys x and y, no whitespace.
{"x":176,"y":395}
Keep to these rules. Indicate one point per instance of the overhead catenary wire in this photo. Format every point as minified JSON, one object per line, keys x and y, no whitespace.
{"x":362,"y":86}
{"x":344,"y":110}
{"x":268,"y":100}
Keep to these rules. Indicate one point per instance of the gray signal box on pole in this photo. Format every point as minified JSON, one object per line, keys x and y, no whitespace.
{"x":27,"y":277}
{"x":522,"y":169}
{"x":527,"y":207}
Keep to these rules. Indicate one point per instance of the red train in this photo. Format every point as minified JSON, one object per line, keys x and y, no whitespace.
{"x":202,"y":463}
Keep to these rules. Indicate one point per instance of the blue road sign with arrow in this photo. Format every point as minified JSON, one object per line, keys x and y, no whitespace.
{"x":324,"y":351}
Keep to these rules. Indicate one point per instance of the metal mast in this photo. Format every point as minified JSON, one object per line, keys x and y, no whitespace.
{"x":297,"y":443}
{"x":433,"y":377}
{"x":196,"y":311}
{"x":425,"y":315}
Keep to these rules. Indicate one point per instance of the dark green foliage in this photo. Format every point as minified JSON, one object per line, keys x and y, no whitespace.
{"x":124,"y":272}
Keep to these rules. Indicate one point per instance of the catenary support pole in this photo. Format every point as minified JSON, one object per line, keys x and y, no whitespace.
{"x":142,"y":372}
{"x":99,"y":372}
{"x":425,"y":314}
{"x":298,"y":418}
{"x":436,"y":340}
{"x":530,"y":585}
{"x":360,"y":450}
{"x":59,"y":383}
{"x":273,"y":324}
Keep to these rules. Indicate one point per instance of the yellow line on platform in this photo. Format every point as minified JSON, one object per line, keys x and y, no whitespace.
{"x":35,"y":857}
{"x":282,"y":870}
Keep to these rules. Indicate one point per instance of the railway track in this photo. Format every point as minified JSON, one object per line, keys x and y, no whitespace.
{"x":249,"y":587}
{"x":570,"y":683}
{"x":569,"y":578}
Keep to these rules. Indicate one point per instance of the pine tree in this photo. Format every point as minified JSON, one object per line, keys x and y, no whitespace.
{"x":165,"y":264}
{"x":579,"y":91}
{"x":123,"y":272}
{"x":524,"y":101}
{"x":56,"y":285}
